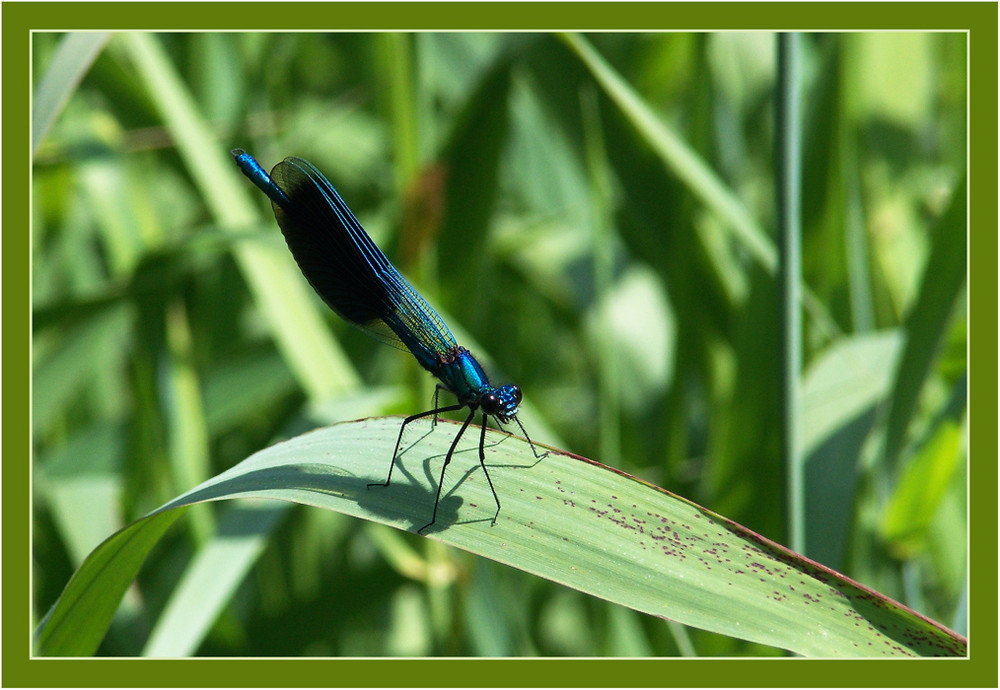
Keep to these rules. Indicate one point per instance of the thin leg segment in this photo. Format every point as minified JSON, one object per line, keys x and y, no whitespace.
{"x":447,"y":459}
{"x":528,"y":439}
{"x":482,"y":463}
{"x":435,"y":412}
{"x":437,"y":391}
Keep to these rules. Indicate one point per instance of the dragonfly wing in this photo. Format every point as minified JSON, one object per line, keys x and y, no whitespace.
{"x":348,"y":270}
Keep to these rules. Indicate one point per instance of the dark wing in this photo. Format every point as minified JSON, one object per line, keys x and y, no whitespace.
{"x":348,"y":270}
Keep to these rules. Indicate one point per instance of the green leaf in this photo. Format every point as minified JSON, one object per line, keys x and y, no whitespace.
{"x":564,"y":518}
{"x":840,"y":393}
{"x":79,"y":620}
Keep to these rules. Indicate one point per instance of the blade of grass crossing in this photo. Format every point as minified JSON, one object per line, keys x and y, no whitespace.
{"x":76,"y":53}
{"x":788,"y":154}
{"x":678,"y":156}
{"x":211,"y":580}
{"x":680,"y":159}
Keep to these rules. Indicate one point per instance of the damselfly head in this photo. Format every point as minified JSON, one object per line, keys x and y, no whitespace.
{"x":501,"y":402}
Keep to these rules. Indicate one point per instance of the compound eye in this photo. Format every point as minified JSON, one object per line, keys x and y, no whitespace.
{"x":490,"y":403}
{"x":515,"y":393}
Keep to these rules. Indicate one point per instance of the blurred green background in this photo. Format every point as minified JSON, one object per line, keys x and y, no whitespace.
{"x":565,"y":242}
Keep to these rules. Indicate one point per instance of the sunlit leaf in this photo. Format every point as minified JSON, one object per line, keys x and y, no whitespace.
{"x":564,"y":518}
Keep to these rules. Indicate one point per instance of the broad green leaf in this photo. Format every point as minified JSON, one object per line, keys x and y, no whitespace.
{"x":564,"y":518}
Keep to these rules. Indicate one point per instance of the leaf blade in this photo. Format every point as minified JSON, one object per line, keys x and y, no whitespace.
{"x":592,"y":528}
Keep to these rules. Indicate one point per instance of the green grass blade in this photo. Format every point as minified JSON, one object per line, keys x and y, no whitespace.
{"x":694,"y":172}
{"x":77,"y":52}
{"x":566,"y":519}
{"x":788,"y":154}
{"x":212,"y":578}
{"x":682,"y":160}
{"x":187,"y":434}
{"x":81,"y":484}
{"x":602,"y":239}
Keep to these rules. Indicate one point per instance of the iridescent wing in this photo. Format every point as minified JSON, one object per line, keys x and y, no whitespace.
{"x":348,"y":270}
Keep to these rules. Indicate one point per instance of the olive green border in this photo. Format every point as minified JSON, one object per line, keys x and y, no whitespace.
{"x":980,"y":19}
